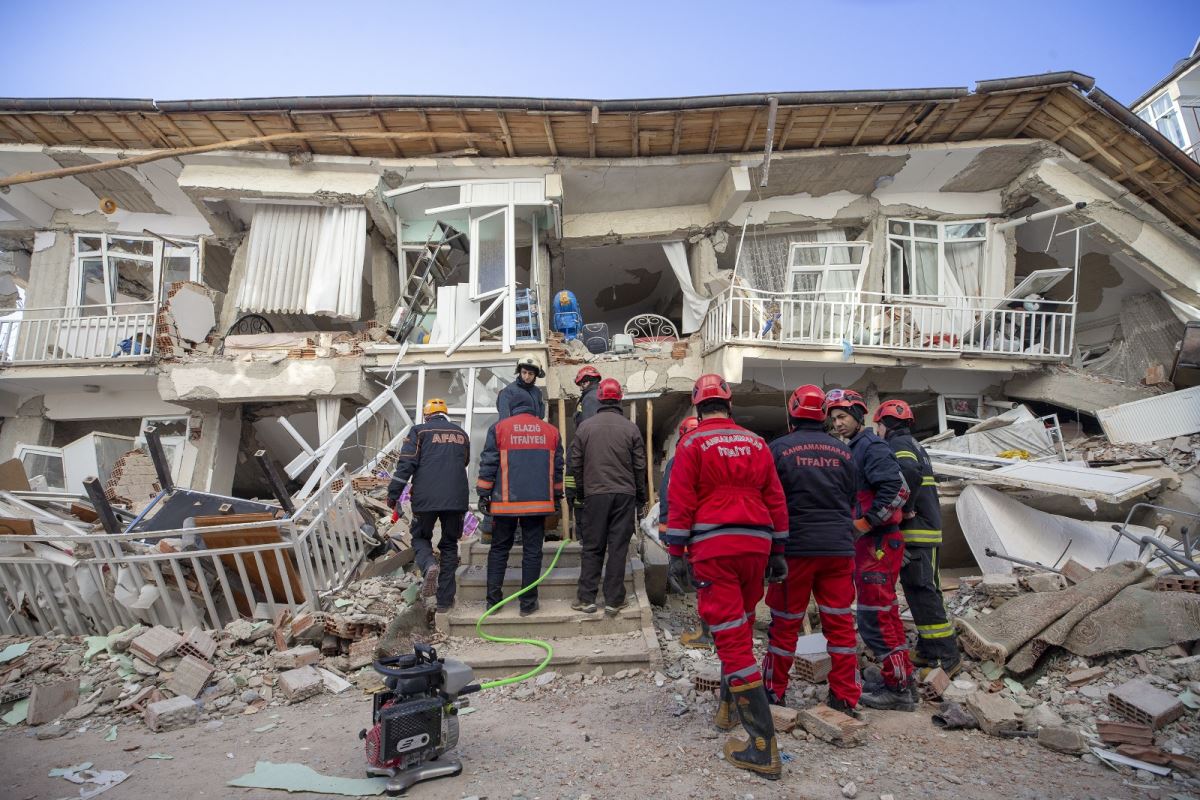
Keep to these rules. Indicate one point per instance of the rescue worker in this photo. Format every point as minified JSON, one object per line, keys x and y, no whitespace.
{"x":523,"y":388}
{"x":523,"y":462}
{"x":879,"y":551}
{"x":698,"y":637}
{"x":587,"y":379}
{"x":608,"y":462}
{"x":922,"y":529}
{"x":728,"y":518}
{"x":819,"y":480}
{"x":434,"y":456}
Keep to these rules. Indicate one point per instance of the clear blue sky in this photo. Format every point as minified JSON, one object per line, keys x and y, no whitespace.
{"x":186,"y":50}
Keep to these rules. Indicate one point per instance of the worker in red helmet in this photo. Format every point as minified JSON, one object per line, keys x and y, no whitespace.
{"x":819,"y":480}
{"x":608,"y":461}
{"x":728,"y":517}
{"x":588,"y":380}
{"x":878,"y":551}
{"x":702,"y":637}
{"x":921,"y":527}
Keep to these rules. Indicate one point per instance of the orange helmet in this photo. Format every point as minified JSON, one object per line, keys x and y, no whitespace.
{"x":688,"y":425}
{"x":710,"y":387}
{"x":609,"y":391}
{"x":586,"y":373}
{"x":894,"y":408}
{"x":844,"y":398}
{"x":435,"y":405}
{"x":807,"y":402}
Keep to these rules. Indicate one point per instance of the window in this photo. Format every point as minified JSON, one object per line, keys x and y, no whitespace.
{"x":1163,"y":114}
{"x":125,"y":274}
{"x":935,"y":259}
{"x":833,"y":271}
{"x":43,"y":464}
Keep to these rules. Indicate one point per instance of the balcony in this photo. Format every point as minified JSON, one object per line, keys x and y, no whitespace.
{"x":927,"y":326}
{"x":117,"y":333}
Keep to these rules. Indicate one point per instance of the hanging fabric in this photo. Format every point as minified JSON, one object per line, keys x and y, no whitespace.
{"x":305,"y":260}
{"x":694,"y":305}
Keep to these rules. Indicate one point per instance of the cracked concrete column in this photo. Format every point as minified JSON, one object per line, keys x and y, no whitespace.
{"x":220,"y":439}
{"x":29,"y":426}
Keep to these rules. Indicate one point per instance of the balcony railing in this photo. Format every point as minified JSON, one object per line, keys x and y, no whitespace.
{"x":870,"y":322}
{"x":63,"y":335}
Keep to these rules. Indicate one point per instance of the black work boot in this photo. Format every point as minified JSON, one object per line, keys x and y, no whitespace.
{"x":900,"y":698}
{"x":430,"y":583}
{"x":838,"y":704}
{"x":872,"y":679}
{"x":760,"y":754}
{"x":697,"y":638}
{"x":726,"y":718}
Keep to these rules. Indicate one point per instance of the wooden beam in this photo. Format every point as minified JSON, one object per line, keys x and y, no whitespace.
{"x":633,"y":133}
{"x":291,"y":123}
{"x":550,"y":136}
{"x":716,"y":129}
{"x":678,"y":132}
{"x":862,"y":128}
{"x":155,"y":138}
{"x":348,"y":146}
{"x":506,"y":136}
{"x":966,"y":120}
{"x":396,"y":151}
{"x":235,"y":144}
{"x":925,"y":127}
{"x":751,"y":131}
{"x":259,"y":132}
{"x":1082,"y":118}
{"x":787,"y":129}
{"x":16,"y":134}
{"x":1029,"y":117}
{"x":825,"y":127}
{"x":54,"y":140}
{"x":425,"y":124}
{"x":999,"y":117}
{"x":179,"y":131}
{"x":120,"y":142}
{"x":1102,"y":150}
{"x":910,"y":112}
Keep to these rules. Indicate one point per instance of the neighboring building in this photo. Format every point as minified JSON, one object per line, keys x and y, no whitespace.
{"x":1172,"y":106}
{"x":849,"y":238}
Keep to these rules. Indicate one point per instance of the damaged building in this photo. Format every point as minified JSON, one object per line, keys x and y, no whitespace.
{"x":298,"y":275}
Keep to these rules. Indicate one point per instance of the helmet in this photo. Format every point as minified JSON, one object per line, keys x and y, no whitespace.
{"x":710,"y":387}
{"x":893,"y":408}
{"x":529,"y":362}
{"x":844,"y":398}
{"x":688,"y":425}
{"x":586,"y":373}
{"x":807,"y":403}
{"x":435,"y":405}
{"x":609,"y":391}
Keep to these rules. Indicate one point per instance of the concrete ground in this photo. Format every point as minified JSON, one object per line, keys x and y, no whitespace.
{"x":611,"y":739}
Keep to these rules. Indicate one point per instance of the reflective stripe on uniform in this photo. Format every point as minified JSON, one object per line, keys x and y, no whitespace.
{"x":850,"y":651}
{"x":732,"y":532}
{"x":919,"y":536}
{"x":785,"y":614}
{"x":906,"y":454}
{"x":861,"y":607}
{"x":901,"y":649}
{"x":831,"y":610}
{"x":724,"y":626}
{"x":742,"y":673}
{"x":929,"y":480}
{"x":938,"y":631}
{"x":779,"y":651}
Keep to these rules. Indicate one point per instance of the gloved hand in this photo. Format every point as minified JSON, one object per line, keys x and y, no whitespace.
{"x":558,"y":496}
{"x":485,"y":504}
{"x":862,"y":525}
{"x":910,"y":514}
{"x":572,"y":495}
{"x":777,"y":568}
{"x":678,"y":574}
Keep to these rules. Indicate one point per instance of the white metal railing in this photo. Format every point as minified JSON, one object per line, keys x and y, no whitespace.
{"x":1194,"y":152}
{"x":46,"y":590}
{"x":868,"y":321}
{"x":66,"y":334}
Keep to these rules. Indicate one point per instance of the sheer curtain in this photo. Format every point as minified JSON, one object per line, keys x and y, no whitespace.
{"x":964,"y":262}
{"x":694,"y":306}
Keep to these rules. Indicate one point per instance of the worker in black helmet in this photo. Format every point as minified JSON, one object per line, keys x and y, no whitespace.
{"x":528,"y":371}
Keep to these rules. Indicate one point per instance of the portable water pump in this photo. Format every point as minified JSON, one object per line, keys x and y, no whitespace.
{"x":414,"y":720}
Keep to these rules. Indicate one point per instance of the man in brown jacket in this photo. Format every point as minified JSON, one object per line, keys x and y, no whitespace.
{"x":608,"y":460}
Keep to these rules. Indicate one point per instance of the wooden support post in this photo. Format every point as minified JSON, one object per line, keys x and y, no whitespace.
{"x":564,"y":526}
{"x":649,"y":451}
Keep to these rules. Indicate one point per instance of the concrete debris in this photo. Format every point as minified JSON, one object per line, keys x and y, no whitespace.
{"x":300,"y":684}
{"x":301,"y":656}
{"x":833,"y":726}
{"x":156,"y":644}
{"x":785,"y":718}
{"x":1080,"y":677}
{"x":1040,"y":716}
{"x":1045,"y":582}
{"x":1139,"y":701}
{"x":190,"y":677}
{"x":1063,"y":740}
{"x":168,"y":715}
{"x":995,"y":713}
{"x":49,"y":701}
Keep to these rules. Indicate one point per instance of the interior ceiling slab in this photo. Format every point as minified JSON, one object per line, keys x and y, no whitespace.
{"x":620,"y":279}
{"x":588,"y":190}
{"x":828,"y":173}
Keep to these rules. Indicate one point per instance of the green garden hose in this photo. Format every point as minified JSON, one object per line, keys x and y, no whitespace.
{"x":513,"y":640}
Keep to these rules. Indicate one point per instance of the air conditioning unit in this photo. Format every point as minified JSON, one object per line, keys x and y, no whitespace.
{"x":622,"y":343}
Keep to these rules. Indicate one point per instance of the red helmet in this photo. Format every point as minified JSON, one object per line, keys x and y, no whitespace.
{"x":609,"y":391}
{"x":688,"y":425}
{"x":843,"y":398}
{"x":894,"y":408}
{"x":807,"y":403}
{"x":586,"y":373}
{"x":710,"y":387}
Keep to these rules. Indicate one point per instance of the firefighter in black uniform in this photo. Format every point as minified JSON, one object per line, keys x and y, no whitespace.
{"x":435,"y":457}
{"x":922,"y":529}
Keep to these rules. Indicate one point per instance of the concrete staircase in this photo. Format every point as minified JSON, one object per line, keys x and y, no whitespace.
{"x":581,"y":642}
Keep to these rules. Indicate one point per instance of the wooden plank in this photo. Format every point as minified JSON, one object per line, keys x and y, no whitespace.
{"x":350,"y":149}
{"x":1000,"y":116}
{"x":716,"y":130}
{"x":910,"y":113}
{"x":218,"y":540}
{"x":1030,"y":116}
{"x":120,"y":142}
{"x":214,"y":520}
{"x":825,"y":127}
{"x":787,"y":128}
{"x":12,"y":476}
{"x":31,"y":121}
{"x":968,"y":118}
{"x":396,"y":151}
{"x":291,"y":126}
{"x":550,"y":136}
{"x":179,"y":131}
{"x":925,"y":128}
{"x":676,"y":133}
{"x":506,"y":136}
{"x":862,"y":128}
{"x":259,"y":132}
{"x":751,"y":132}
{"x":633,"y":133}
{"x":154,"y":139}
{"x":15,"y":526}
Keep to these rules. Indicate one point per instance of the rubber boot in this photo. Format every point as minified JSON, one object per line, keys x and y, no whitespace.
{"x":726,"y":718}
{"x":699,"y":639}
{"x":759,"y":754}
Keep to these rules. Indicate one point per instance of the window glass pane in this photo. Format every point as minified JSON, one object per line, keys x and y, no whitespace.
{"x":808,"y":256}
{"x":480,"y":422}
{"x":1145,"y":114}
{"x":1161,"y":105}
{"x":89,"y":244}
{"x":970,"y":230}
{"x":1169,"y":127}
{"x":900,"y":228}
{"x":851,"y":254}
{"x":48,"y":466}
{"x":806,"y":281}
{"x":840,"y":284}
{"x":134,"y":280}
{"x":925,"y":231}
{"x":490,"y":249}
{"x":898,"y":264}
{"x":175,"y":269}
{"x":91,"y":288}
{"x":488,"y":383}
{"x":137,"y":247}
{"x":925,"y":269}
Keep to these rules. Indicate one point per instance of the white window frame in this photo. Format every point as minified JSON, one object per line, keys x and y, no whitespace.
{"x":505,"y":214}
{"x":178,"y":443}
{"x":941,"y":242}
{"x":159,"y":248}
{"x":827,"y":266}
{"x":42,"y":450}
{"x":1148,"y":114}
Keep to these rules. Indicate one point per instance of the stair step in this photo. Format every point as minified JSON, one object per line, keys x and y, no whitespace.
{"x":554,"y":618}
{"x":562,"y":583}
{"x":477,"y":554}
{"x":572,"y":654}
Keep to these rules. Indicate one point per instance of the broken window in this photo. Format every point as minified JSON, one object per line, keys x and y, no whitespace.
{"x":832,"y":271}
{"x":935,"y":259}
{"x":125,"y":274}
{"x":1163,"y":114}
{"x":44,"y":467}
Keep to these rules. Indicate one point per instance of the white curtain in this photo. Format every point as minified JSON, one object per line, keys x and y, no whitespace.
{"x":964,"y":262}
{"x":305,"y":260}
{"x":694,"y":306}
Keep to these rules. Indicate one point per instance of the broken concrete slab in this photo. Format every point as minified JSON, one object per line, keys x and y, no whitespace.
{"x":1045,"y":582}
{"x":1061,"y":739}
{"x":1139,"y":701}
{"x":300,"y":684}
{"x":1082,"y":676}
{"x":785,"y":718}
{"x":1040,"y":716}
{"x":192,"y":311}
{"x":362,"y":652}
{"x":168,"y":715}
{"x":1053,"y":477}
{"x":1074,"y":389}
{"x":156,"y":644}
{"x":296,"y":657}
{"x":1075,"y":572}
{"x":49,"y":701}
{"x":999,"y":585}
{"x":190,"y":677}
{"x":995,"y":714}
{"x":833,"y":726}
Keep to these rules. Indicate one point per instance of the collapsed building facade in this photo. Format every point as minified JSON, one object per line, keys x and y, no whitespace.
{"x":300,"y":274}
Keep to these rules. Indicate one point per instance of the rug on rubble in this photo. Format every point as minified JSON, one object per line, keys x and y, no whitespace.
{"x":1114,"y":610}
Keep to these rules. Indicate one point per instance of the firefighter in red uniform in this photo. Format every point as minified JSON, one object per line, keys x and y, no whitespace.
{"x":879,"y":550}
{"x":727,"y":513}
{"x":819,"y":479}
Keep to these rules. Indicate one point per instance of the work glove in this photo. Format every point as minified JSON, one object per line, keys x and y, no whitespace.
{"x":777,"y":568}
{"x":678,"y":574}
{"x":558,"y":496}
{"x":485,"y":504}
{"x":862,"y":525}
{"x":572,"y":496}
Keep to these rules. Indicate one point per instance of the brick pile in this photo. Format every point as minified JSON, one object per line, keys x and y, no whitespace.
{"x":169,"y":345}
{"x":133,"y":483}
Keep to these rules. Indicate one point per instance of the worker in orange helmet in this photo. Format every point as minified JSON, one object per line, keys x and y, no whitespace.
{"x":728,"y":517}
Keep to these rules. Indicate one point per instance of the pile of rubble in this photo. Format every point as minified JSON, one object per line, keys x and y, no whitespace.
{"x":186,"y":321}
{"x":275,"y":347}
{"x":171,"y":678}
